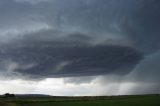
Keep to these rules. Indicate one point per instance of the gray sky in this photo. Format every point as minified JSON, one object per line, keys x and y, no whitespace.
{"x":73,"y":47}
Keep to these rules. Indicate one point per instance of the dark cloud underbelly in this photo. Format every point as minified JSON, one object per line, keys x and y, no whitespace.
{"x":69,"y":59}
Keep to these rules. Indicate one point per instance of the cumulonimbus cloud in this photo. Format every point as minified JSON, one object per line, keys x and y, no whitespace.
{"x":41,"y":58}
{"x":68,"y":48}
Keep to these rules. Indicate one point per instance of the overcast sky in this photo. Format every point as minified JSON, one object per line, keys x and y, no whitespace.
{"x":80,"y":47}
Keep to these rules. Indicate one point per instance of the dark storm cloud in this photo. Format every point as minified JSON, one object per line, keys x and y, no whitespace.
{"x":135,"y":19}
{"x":138,"y":19}
{"x":123,"y":29}
{"x":37,"y":58}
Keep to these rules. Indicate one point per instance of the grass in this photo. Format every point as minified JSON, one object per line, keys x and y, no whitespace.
{"x":146,"y":100}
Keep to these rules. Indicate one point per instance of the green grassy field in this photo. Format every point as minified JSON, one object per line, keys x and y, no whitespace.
{"x":146,"y":100}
